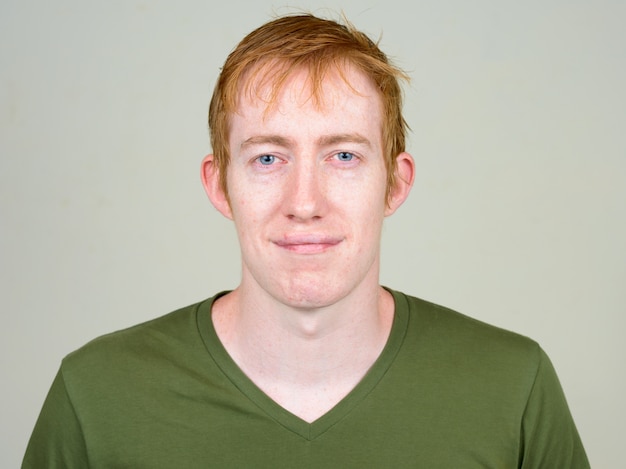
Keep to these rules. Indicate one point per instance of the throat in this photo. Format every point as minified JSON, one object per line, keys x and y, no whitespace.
{"x":305,"y":370}
{"x":311,"y":378}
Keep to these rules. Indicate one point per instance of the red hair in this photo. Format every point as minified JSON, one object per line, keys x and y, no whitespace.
{"x":305,"y":41}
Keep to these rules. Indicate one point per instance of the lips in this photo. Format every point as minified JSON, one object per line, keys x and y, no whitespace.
{"x":307,"y":243}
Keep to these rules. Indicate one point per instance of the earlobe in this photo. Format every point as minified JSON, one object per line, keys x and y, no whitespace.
{"x":210,"y":176}
{"x":405,"y":173}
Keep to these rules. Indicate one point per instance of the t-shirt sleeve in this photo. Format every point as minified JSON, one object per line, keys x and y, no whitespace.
{"x":57,"y":440}
{"x":549,"y":435}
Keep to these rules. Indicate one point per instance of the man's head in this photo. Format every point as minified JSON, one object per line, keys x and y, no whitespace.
{"x":308,"y":159}
{"x":271,"y":53}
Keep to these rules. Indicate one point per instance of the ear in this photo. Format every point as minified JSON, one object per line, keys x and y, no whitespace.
{"x":405,"y":173}
{"x":211,"y":181}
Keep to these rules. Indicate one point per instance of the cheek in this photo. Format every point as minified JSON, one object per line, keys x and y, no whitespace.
{"x":250,"y":190}
{"x":250,"y":207}
{"x":361,"y":197}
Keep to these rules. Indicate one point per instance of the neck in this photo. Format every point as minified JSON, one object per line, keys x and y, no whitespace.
{"x":318,"y":355}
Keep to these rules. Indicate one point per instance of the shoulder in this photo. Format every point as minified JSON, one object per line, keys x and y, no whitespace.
{"x":136,"y":347}
{"x":458,"y":327}
{"x":463,"y":371}
{"x":453,"y":339}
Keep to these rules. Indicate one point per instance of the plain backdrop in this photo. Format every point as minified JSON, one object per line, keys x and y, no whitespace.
{"x":517,"y":217}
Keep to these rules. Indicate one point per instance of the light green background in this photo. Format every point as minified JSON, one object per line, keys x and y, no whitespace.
{"x":518,"y":215}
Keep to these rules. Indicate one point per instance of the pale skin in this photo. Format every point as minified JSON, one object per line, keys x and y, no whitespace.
{"x":306,"y":186}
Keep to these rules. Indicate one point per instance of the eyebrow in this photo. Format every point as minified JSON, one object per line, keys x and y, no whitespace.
{"x":265,"y":139}
{"x":323,"y":141}
{"x":344,"y":138}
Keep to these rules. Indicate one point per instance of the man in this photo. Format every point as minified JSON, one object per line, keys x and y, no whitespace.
{"x":309,"y":362}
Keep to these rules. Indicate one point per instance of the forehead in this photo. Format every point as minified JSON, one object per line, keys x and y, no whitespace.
{"x":342,"y":96}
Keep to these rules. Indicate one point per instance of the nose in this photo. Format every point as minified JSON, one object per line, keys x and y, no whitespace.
{"x":305,"y":197}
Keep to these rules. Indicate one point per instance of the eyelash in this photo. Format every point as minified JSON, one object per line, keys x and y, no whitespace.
{"x":273,"y":158}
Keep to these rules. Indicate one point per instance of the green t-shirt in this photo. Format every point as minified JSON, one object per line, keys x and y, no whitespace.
{"x":446,"y":392}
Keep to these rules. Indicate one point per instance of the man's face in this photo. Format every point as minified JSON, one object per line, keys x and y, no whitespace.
{"x":306,"y":183}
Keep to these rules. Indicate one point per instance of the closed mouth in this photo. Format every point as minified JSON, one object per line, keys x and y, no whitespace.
{"x":307,"y":243}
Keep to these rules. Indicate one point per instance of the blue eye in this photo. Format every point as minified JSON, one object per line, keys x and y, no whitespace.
{"x":345,"y":156}
{"x":266,"y":160}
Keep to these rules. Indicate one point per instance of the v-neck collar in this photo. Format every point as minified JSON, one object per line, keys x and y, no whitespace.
{"x":309,"y":431}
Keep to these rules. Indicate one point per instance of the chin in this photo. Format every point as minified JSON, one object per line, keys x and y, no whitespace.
{"x":308,"y":296}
